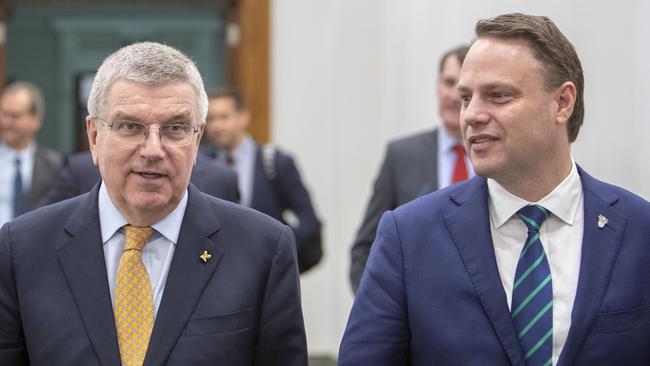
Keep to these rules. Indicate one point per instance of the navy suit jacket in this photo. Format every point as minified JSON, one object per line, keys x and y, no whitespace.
{"x":242,"y":307}
{"x":79,"y":175}
{"x":432,"y":295}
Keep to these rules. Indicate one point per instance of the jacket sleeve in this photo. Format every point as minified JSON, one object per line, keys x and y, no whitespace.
{"x":295,"y":197}
{"x":281,"y":337}
{"x":377,"y":332}
{"x":383,"y":198}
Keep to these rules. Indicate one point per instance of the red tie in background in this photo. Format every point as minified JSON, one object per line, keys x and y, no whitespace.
{"x":460,"y":170}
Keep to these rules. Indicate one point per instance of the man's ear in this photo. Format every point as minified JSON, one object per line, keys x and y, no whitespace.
{"x":565,"y":99}
{"x":198,"y":140}
{"x":91,"y":131}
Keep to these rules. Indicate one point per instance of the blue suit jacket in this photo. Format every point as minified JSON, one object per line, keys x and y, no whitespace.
{"x":242,"y":307}
{"x":79,"y":175}
{"x":431,"y":293}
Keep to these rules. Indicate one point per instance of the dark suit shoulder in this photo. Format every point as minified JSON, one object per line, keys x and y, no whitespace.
{"x":248,"y":225}
{"x":53,"y":157}
{"x":438,"y":203}
{"x":624,"y":201}
{"x":83,"y":158}
{"x":422,"y":141}
{"x":231,"y":213}
{"x":44,"y":227}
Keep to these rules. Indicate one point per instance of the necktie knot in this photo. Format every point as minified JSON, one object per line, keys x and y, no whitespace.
{"x":136,"y":237}
{"x":533,"y":216}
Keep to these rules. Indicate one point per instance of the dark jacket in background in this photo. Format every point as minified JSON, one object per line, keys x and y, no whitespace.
{"x":285,"y":192}
{"x":47,"y":164}
{"x":409,"y":170}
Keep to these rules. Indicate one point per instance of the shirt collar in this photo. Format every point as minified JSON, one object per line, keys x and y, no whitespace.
{"x":112,"y":220}
{"x":563,"y":201}
{"x":244,"y":149}
{"x":24,"y":154}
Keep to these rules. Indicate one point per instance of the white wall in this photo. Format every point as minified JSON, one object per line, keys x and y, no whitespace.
{"x":348,"y":75}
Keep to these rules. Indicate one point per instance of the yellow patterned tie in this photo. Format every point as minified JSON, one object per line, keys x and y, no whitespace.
{"x":133,"y":298}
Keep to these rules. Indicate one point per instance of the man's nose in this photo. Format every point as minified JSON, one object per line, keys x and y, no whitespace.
{"x":474,"y":112}
{"x":153,"y":143}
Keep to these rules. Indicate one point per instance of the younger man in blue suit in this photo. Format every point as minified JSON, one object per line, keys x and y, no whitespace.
{"x":534,"y":262}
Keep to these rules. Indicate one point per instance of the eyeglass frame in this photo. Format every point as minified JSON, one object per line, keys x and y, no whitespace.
{"x":195,"y":130}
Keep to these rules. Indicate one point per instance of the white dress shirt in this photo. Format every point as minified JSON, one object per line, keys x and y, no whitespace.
{"x":244,"y":165}
{"x":447,"y":158}
{"x":156,"y":255}
{"x":561,"y":237}
{"x":8,"y":168}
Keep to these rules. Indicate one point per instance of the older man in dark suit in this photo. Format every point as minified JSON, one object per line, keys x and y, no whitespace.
{"x":145,"y":269}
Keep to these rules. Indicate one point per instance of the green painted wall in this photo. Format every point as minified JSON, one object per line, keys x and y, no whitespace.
{"x":53,"y":46}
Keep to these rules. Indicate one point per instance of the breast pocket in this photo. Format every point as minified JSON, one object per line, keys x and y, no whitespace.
{"x":231,"y":322}
{"x":623,"y":321}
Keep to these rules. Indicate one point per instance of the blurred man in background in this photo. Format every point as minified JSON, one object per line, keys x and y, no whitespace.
{"x":28,"y":168}
{"x":268,"y":178}
{"x":419,"y":164}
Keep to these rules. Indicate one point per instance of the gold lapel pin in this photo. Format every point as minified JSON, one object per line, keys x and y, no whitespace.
{"x":205,"y":256}
{"x":602,"y":221}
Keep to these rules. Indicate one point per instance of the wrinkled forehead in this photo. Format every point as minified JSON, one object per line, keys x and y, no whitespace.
{"x":176,"y":98}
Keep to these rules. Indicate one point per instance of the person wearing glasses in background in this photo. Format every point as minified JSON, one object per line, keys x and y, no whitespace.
{"x":145,"y":268}
{"x":28,"y":168}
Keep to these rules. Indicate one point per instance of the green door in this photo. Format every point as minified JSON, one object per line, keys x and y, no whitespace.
{"x":59,"y":48}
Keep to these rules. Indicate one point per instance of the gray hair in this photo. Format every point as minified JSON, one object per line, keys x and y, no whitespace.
{"x":149,"y":63}
{"x":37,"y":106}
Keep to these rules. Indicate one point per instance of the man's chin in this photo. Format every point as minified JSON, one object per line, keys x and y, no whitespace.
{"x":151,"y":201}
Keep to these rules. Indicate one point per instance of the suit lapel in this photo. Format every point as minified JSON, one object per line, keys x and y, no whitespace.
{"x":469,"y":227}
{"x":600,"y":248}
{"x":83,"y":264}
{"x":187,"y":278}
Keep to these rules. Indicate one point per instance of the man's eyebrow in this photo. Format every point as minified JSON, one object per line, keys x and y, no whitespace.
{"x":124,"y":115}
{"x":181,"y":116}
{"x":463,"y":89}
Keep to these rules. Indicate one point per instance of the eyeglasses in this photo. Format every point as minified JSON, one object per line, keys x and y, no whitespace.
{"x":132,"y":132}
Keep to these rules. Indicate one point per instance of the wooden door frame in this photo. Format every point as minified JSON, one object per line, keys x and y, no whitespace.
{"x":249,"y":61}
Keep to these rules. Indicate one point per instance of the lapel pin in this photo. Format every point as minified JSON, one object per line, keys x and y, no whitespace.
{"x":205,"y":256}
{"x":602,"y":221}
